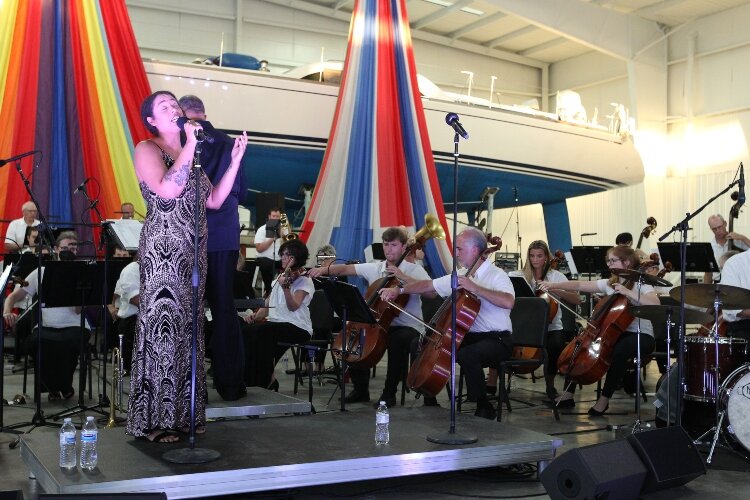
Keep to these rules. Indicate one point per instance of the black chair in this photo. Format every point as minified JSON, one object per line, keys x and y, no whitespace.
{"x":323,"y":321}
{"x":529,"y":319}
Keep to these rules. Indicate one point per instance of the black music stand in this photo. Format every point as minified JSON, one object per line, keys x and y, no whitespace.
{"x":591,"y":259}
{"x":3,"y":283}
{"x":349,"y":304}
{"x":83,"y":282}
{"x":521,"y":287}
{"x":699,"y":257}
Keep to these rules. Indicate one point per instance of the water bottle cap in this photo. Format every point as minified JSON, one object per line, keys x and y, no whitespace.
{"x":67,"y":420}
{"x":89,"y":418}
{"x":382,"y":403}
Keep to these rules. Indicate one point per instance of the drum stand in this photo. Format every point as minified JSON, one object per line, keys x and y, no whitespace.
{"x":719,"y":420}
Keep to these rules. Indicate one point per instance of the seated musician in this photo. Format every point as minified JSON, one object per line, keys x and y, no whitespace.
{"x":60,"y":333}
{"x":489,"y":338}
{"x":286,"y":318}
{"x":403,"y":329}
{"x":619,"y":257}
{"x":123,"y":309}
{"x":736,"y":272}
{"x":538,"y":258}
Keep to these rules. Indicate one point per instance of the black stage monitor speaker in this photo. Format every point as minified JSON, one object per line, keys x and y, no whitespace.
{"x":607,"y":470}
{"x":669,"y":455}
{"x":106,"y":496}
{"x":265,"y":202}
{"x":11,"y":495}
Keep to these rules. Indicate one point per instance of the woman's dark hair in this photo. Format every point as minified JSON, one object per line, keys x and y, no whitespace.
{"x":147,"y":109}
{"x":624,"y":239}
{"x":296,"y":249}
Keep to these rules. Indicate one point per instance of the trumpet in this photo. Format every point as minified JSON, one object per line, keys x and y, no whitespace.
{"x":118,"y":374}
{"x":286,"y":229}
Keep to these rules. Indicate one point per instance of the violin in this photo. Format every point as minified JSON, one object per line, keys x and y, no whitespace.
{"x":587,"y":357}
{"x":431,"y":370}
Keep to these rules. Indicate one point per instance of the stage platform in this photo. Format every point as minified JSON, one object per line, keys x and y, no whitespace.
{"x":261,"y":454}
{"x":258,"y":402}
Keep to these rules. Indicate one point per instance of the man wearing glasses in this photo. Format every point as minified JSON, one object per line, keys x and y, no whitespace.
{"x":60,"y":332}
{"x":721,"y":243}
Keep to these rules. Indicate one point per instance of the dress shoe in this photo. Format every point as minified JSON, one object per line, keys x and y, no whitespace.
{"x":390,"y":401}
{"x":357,"y":397}
{"x":596,"y":413}
{"x":490,"y":389}
{"x":566,"y":403}
{"x":430,"y":401}
{"x":552,"y":393}
{"x":274,"y":386}
{"x":485,"y":410}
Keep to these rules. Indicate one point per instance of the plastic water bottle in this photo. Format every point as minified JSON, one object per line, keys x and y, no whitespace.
{"x":67,"y":445}
{"x":89,"y":435}
{"x":381,"y":424}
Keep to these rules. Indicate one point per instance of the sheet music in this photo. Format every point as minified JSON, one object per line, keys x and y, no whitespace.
{"x":127,"y":232}
{"x":571,"y":263}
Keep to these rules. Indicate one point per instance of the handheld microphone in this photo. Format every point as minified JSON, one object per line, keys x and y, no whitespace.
{"x":200,"y":135}
{"x":452,"y":120}
{"x":741,"y":193}
{"x":18,"y":157}
{"x":589,"y":234}
{"x":82,"y":186}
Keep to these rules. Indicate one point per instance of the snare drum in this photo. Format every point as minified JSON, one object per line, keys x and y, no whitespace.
{"x":735,"y":400}
{"x":700,"y":363}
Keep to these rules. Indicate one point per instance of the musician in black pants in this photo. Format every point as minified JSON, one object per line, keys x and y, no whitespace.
{"x":489,"y":338}
{"x":227,"y":348}
{"x":403,"y":329}
{"x":625,"y":348}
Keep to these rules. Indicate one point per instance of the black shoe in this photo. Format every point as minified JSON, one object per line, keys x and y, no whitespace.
{"x":485,"y":410}
{"x":390,"y":401}
{"x":232,"y":394}
{"x":595,"y":413}
{"x":490,"y":389}
{"x":552,"y":393}
{"x":274,"y":386}
{"x":430,"y":401}
{"x":357,"y":397}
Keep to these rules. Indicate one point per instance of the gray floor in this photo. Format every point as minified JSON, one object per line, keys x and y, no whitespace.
{"x":575,"y":428}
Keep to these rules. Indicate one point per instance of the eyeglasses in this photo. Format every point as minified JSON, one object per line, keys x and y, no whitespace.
{"x":613,"y":260}
{"x":716,"y":228}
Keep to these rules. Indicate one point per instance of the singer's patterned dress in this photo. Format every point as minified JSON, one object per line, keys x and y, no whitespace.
{"x":160,"y":373}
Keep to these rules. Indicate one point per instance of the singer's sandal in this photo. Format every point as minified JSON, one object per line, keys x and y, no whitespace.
{"x":162,"y":436}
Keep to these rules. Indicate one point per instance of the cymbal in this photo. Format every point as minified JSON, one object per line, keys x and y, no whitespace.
{"x":647,"y":279}
{"x":703,"y":294}
{"x":658,"y":314}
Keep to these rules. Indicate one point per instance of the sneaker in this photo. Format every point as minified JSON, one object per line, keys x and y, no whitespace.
{"x":357,"y":397}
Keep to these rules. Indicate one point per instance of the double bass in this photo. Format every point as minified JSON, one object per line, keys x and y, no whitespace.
{"x":587,"y":357}
{"x":431,"y":370}
{"x":369,"y":353}
{"x":646,"y":231}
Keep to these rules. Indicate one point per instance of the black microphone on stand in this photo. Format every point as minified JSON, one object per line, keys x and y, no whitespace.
{"x":199,"y":134}
{"x":589,"y":234}
{"x":82,"y":186}
{"x":741,"y":193}
{"x":452,"y":120}
{"x":18,"y":157}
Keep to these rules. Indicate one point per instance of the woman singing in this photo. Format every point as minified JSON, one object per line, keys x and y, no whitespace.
{"x":538,"y":258}
{"x":619,"y":257}
{"x":160,"y":379}
{"x":286,"y":318}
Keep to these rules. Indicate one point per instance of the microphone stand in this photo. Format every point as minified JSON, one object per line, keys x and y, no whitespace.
{"x":38,"y":419}
{"x":518,"y":229}
{"x":451,"y":437}
{"x":683,"y":226}
{"x":193,"y":455}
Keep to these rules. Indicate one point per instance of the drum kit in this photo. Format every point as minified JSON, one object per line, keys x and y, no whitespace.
{"x":717,"y":368}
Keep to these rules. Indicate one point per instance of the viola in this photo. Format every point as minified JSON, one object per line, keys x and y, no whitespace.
{"x":587,"y":357}
{"x":371,"y":352}
{"x":431,"y":370}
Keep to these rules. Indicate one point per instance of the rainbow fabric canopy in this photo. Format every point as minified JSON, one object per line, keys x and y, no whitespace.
{"x":71,"y":84}
{"x":378,"y":170}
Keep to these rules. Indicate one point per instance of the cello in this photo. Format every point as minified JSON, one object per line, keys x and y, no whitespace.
{"x":587,"y":357}
{"x":431,"y":370}
{"x":371,"y":351}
